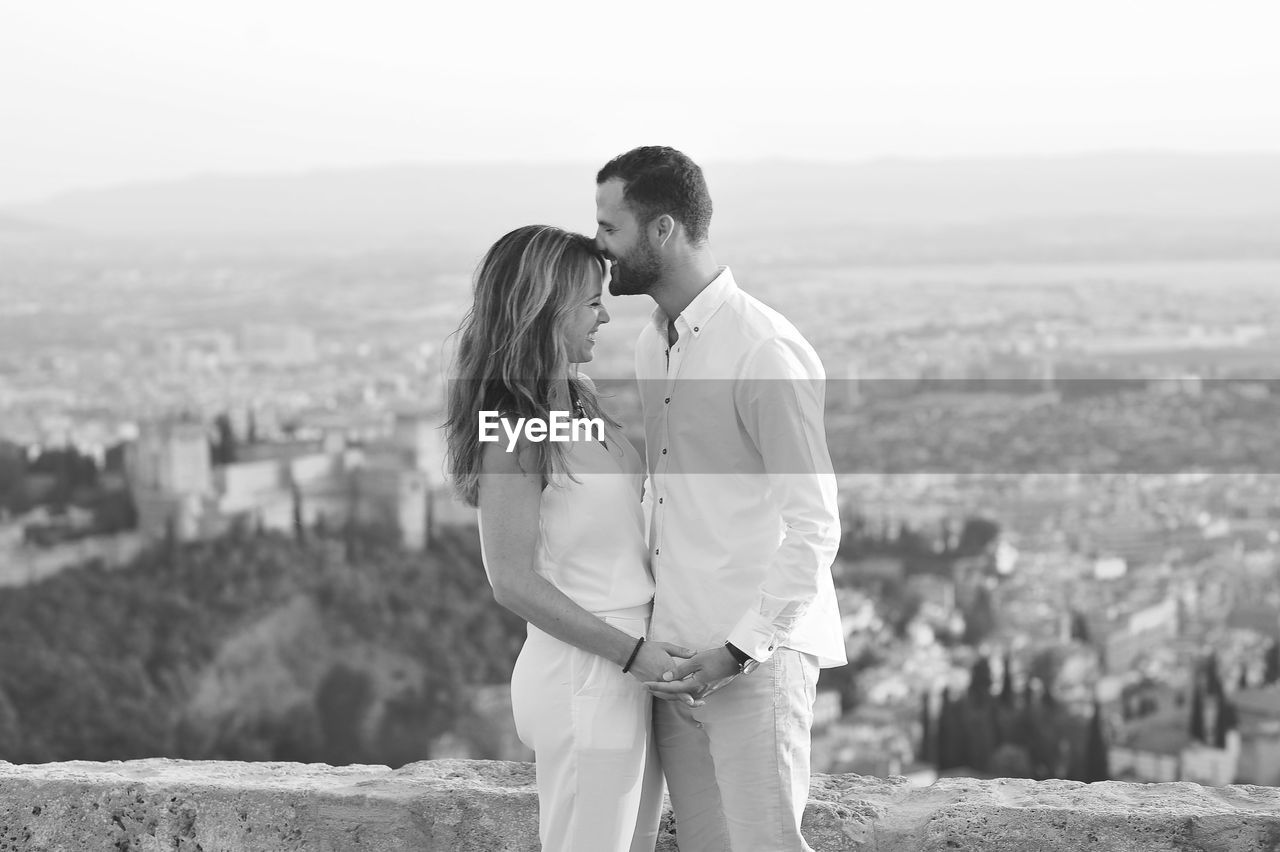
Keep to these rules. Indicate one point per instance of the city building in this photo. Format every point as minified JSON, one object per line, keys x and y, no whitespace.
{"x":393,"y":484}
{"x":278,"y":345}
{"x":1130,"y":635}
{"x":1259,"y":714}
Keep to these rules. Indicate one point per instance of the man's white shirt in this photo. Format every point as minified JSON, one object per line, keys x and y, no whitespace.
{"x":744,"y":523}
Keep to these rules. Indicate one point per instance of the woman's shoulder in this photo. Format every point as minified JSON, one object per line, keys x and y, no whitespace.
{"x":510,"y":451}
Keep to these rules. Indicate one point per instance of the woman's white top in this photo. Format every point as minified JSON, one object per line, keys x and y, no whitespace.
{"x":591,"y":533}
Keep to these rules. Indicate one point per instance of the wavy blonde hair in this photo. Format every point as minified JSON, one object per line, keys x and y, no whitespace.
{"x":511,"y":351}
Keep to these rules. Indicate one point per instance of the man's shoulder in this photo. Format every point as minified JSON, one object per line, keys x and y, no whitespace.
{"x":770,"y":342}
{"x":759,"y":322}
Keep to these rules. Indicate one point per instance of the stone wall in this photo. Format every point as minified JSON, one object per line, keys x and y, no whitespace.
{"x":480,"y":806}
{"x":26,"y":565}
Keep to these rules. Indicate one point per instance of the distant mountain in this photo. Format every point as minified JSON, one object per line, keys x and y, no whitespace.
{"x":1162,"y":200}
{"x":385,"y":204}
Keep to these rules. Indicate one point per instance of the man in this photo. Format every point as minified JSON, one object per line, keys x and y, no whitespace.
{"x":744,"y":523}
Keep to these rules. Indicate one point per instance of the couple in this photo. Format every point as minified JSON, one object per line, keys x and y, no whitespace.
{"x":703,"y":580}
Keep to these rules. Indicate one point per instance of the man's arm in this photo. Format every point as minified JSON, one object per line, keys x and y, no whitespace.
{"x":780,"y":402}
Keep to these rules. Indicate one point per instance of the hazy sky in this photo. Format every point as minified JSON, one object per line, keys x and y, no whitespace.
{"x":95,"y":92}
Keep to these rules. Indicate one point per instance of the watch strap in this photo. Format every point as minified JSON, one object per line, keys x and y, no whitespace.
{"x":740,"y":656}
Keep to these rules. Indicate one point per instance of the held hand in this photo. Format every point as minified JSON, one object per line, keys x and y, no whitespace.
{"x":676,"y":650}
{"x":697,"y":677}
{"x":657,"y":661}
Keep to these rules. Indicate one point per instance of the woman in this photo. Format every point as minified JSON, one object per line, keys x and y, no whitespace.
{"x":563,"y":539}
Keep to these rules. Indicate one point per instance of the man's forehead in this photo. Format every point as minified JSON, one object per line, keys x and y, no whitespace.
{"x":611,"y":191}
{"x":610,"y":200}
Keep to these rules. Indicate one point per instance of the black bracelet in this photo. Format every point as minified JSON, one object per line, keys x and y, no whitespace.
{"x":634,"y":652}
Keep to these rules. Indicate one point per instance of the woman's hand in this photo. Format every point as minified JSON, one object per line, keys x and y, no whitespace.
{"x":697,"y":677}
{"x":659,"y":661}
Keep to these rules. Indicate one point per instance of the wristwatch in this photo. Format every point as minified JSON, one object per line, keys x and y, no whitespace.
{"x":746,"y":665}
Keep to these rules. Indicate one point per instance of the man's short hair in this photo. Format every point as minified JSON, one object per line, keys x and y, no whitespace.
{"x":656,"y":180}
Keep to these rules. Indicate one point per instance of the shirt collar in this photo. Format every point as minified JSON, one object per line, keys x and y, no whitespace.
{"x":703,"y":306}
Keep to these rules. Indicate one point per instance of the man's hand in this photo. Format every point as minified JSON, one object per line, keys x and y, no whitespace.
{"x":698,"y":676}
{"x":658,"y":661}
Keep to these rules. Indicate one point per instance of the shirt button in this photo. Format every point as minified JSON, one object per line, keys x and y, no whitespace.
{"x":664,"y":451}
{"x":668,"y":400}
{"x":656,"y":551}
{"x":695,"y":328}
{"x":770,"y":647}
{"x":659,"y":499}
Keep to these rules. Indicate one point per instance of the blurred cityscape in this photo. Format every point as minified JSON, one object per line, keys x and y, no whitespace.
{"x":1061,"y":514}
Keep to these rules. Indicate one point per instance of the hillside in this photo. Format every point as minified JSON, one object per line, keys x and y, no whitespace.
{"x":258,"y":648}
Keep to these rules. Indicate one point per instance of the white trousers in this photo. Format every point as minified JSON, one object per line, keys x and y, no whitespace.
{"x":589,"y":725}
{"x":737,"y":768}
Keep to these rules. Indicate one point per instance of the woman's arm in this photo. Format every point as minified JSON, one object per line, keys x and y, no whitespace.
{"x":510,"y":500}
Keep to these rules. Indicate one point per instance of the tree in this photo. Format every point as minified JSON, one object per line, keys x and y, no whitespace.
{"x":170,"y":541}
{"x":1197,"y":715}
{"x":944,"y":746}
{"x":102,"y":665}
{"x":980,"y":681}
{"x":1079,"y":627}
{"x":907,"y":540}
{"x":1011,"y":761}
{"x":976,"y":536}
{"x":1096,"y":766}
{"x":1227,"y":720}
{"x":1213,"y":680}
{"x":979,"y":617}
{"x":984,"y":733}
{"x":226,"y":452}
{"x":344,"y":698}
{"x":113,"y":511}
{"x":1043,"y":725}
{"x":926,"y":729}
{"x":350,"y":536}
{"x":299,"y":526}
{"x":72,"y":472}
{"x":13,"y":469}
{"x":1024,"y":718}
{"x":1007,"y":696}
{"x":1271,"y":665}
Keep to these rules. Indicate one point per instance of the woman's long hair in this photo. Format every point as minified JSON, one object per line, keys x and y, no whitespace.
{"x":511,"y":351}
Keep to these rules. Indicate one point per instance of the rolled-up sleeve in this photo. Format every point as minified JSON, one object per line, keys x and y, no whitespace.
{"x":780,"y":401}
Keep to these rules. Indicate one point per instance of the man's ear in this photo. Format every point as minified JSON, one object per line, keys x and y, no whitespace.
{"x":664,"y":227}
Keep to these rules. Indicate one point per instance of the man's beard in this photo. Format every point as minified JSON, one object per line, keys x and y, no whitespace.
{"x":636,"y":273}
